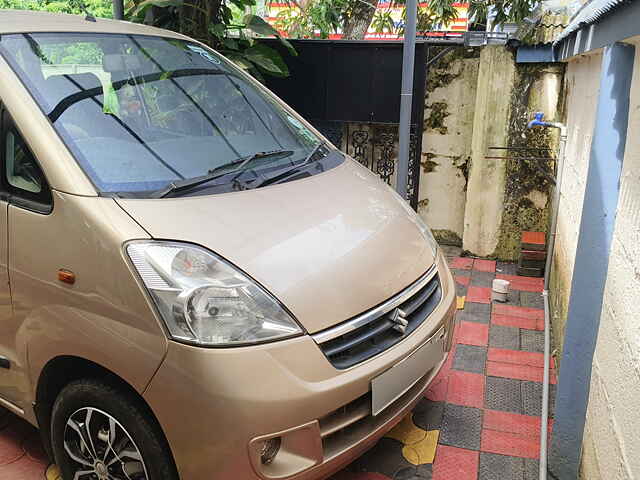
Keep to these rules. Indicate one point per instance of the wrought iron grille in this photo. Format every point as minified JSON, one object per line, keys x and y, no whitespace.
{"x":375,"y":145}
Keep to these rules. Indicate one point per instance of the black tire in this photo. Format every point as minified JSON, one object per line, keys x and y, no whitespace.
{"x":127,"y":410}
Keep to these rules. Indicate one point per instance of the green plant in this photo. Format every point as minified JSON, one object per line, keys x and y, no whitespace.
{"x":511,"y":11}
{"x":222,"y":25}
{"x":317,"y":18}
{"x":98,"y":8}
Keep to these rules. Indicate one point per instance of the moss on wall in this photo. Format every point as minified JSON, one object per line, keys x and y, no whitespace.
{"x":527,"y":188}
{"x":435,"y":121}
{"x":447,"y":237}
{"x":427,"y":163}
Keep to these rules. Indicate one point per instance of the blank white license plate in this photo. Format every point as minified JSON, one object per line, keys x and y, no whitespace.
{"x":392,"y":384}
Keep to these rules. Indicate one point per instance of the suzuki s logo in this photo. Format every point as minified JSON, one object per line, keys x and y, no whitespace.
{"x":398,"y":317}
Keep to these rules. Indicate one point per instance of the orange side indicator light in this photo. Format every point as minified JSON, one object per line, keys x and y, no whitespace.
{"x":66,"y":276}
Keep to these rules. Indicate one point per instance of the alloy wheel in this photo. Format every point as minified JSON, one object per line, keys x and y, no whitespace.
{"x":100,"y":448}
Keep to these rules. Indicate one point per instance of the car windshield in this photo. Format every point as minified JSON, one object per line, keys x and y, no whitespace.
{"x":140,"y":113}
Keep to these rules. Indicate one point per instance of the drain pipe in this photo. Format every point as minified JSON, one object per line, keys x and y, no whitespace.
{"x":544,"y":421}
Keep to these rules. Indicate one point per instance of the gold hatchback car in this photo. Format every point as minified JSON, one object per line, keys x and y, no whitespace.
{"x":197,"y":284}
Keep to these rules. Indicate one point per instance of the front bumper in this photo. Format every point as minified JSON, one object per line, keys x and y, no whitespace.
{"x":212,"y":403}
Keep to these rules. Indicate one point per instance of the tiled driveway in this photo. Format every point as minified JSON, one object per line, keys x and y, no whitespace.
{"x":478,"y":420}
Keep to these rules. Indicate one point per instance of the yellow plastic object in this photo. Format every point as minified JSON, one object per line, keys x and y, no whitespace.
{"x":53,"y":473}
{"x":460,"y":302}
{"x":419,"y":445}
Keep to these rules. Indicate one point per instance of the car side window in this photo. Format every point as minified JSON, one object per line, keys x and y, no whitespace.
{"x":22,"y":171}
{"x":23,"y":178}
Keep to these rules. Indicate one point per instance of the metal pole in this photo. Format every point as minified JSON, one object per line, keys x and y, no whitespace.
{"x":544,"y":424}
{"x":118,"y":9}
{"x":406,"y":97}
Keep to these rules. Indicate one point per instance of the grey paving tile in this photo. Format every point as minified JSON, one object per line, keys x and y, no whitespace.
{"x":506,"y":268}
{"x":531,"y":469}
{"x":470,"y":358}
{"x":504,"y":337}
{"x":503,"y":394}
{"x":482,"y":279}
{"x":531,"y":300}
{"x":479,"y":308}
{"x":532,"y":398}
{"x":461,"y":290}
{"x":500,"y":467}
{"x":532,"y":341}
{"x":465,"y":316}
{"x":428,"y":415}
{"x":385,"y":458}
{"x":420,"y":472}
{"x":460,"y":272}
{"x":461,"y":427}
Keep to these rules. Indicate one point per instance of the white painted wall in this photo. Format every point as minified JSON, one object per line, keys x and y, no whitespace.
{"x":612,"y":434}
{"x":582,"y":80}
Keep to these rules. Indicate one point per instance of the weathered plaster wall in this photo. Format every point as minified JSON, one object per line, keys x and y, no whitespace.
{"x":582,"y":79}
{"x":526,"y":199}
{"x":486,"y":185}
{"x":612,"y":441}
{"x":446,"y":145}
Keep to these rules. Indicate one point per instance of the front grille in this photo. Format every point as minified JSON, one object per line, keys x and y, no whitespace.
{"x":373,"y":332}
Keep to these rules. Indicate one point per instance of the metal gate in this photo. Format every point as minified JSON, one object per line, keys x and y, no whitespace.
{"x":350,"y":91}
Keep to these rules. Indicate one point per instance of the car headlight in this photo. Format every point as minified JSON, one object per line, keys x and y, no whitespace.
{"x":205,"y":300}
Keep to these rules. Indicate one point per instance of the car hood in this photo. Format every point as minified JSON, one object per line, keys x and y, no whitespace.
{"x":329,"y":247}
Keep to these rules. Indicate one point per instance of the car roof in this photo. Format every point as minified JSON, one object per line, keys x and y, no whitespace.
{"x":26,"y":21}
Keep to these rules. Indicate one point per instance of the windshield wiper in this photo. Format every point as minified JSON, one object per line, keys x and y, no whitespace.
{"x":260,"y":182}
{"x":189,"y":183}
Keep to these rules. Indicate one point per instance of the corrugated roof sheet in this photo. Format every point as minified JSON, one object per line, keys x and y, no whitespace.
{"x":590,"y":13}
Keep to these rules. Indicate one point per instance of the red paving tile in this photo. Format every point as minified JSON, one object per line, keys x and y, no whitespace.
{"x":472,"y":333}
{"x":512,"y":423}
{"x":503,"y":443}
{"x":523,"y":312}
{"x":526,"y":284}
{"x":520,"y":372}
{"x":463,"y":280}
{"x":484,"y":265}
{"x":465,"y":388}
{"x":518,"y":322}
{"x":536,"y":238}
{"x":461,"y":263}
{"x":453,"y":463}
{"x":517,"y":357}
{"x":479,"y":294}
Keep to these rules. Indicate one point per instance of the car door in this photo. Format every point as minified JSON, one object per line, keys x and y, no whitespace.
{"x":22,"y":185}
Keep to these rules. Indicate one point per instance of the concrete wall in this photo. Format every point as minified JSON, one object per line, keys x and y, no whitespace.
{"x":485,"y":188}
{"x":446,"y":153}
{"x":612,"y":441}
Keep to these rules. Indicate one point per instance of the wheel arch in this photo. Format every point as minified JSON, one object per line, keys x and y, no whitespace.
{"x":64,"y":369}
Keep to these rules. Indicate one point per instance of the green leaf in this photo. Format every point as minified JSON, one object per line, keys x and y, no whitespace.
{"x":142,"y":6}
{"x":259,"y":25}
{"x":292,"y":50}
{"x":217,"y":29}
{"x":240,"y":61}
{"x":267,"y":59}
{"x":230,"y":43}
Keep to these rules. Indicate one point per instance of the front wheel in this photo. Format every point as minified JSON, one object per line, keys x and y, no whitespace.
{"x":99,"y":432}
